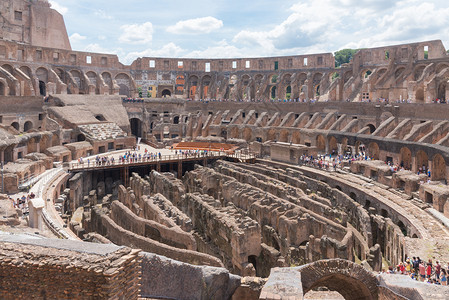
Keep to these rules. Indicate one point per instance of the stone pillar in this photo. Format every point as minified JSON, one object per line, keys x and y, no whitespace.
{"x":35,"y":213}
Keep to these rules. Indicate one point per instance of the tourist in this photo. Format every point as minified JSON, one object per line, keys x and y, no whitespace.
{"x":443,"y":277}
{"x":437,"y":270}
{"x":429,"y":268}
{"x":422,"y":271}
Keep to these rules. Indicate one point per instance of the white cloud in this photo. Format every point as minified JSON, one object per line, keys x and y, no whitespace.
{"x":61,"y":9}
{"x":103,"y":15}
{"x":196,"y":26}
{"x":76,"y":38}
{"x":137,"y":34}
{"x":168,"y":50}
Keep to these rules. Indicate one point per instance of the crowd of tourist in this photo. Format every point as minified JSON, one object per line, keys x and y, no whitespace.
{"x":422,"y":271}
{"x":133,"y":100}
{"x":135,"y":157}
{"x":22,"y":202}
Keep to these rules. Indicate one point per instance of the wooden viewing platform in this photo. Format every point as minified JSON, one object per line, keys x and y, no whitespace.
{"x":178,"y":159}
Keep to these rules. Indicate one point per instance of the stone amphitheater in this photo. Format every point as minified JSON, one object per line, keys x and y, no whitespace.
{"x":207,"y":186}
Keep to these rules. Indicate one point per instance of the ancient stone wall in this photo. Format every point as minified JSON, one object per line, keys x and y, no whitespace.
{"x":67,"y":274}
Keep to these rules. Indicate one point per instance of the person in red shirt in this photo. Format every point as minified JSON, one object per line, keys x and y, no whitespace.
{"x":429,"y":268}
{"x":437,"y":270}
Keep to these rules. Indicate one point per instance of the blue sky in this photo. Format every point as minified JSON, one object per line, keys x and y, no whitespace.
{"x":230,"y":28}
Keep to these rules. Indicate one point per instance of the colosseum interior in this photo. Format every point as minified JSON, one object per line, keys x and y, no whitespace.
{"x":204,"y":181}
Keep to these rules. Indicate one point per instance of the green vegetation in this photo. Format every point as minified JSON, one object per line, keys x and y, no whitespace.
{"x":344,"y":56}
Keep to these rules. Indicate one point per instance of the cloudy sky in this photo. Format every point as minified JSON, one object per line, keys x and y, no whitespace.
{"x":247,"y":28}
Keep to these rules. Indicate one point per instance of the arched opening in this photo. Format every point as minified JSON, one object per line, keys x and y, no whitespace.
{"x":288,"y":92}
{"x":296,"y":137}
{"x":348,"y":287}
{"x":438,"y":170}
{"x":320,"y":143}
{"x":373,"y":151}
{"x":27,"y":126}
{"x":372,"y":128}
{"x":338,"y":188}
{"x":353,"y":196}
{"x":403,"y":228}
{"x":406,"y":158}
{"x":15,"y":125}
{"x":224,"y":133}
{"x":166,"y":93}
{"x":422,"y":161}
{"x":367,"y":204}
{"x":123,"y":82}
{"x":384,"y":213}
{"x":333,"y":147}
{"x":273,"y":92}
{"x":124,"y":90}
{"x":419,"y":96}
{"x":323,"y":293}
{"x":2,"y":89}
{"x":414,"y":236}
{"x":81,"y":137}
{"x":136,"y":127}
{"x":100,"y":118}
{"x":42,"y":88}
{"x":176,"y":120}
{"x":442,"y":91}
{"x":252,"y":259}
{"x":283,"y":136}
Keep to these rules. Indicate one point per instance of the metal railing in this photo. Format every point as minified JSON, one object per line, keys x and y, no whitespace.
{"x":241,"y":155}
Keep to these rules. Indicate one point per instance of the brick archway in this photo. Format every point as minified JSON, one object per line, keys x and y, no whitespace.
{"x":352,"y":281}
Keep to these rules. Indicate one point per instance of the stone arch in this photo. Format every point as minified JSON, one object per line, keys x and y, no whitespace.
{"x":352,"y":281}
{"x":271,"y":134}
{"x":234,"y":133}
{"x":283,"y":136}
{"x":15,"y":125}
{"x":44,"y":143}
{"x":421,"y":159}
{"x":316,"y":82}
{"x":346,"y":76}
{"x":247,"y":134}
{"x":93,"y":80}
{"x":107,"y":78}
{"x":8,"y":68}
{"x":419,"y":95}
{"x":440,"y":67}
{"x":32,"y":145}
{"x":176,"y":120}
{"x":123,"y":82}
{"x":27,"y":126}
{"x":42,"y":76}
{"x":399,"y":71}
{"x":333,"y":146}
{"x":79,"y":81}
{"x":441,"y":92}
{"x":80,"y":137}
{"x":61,"y":74}
{"x":136,"y":127}
{"x":273,"y":92}
{"x":380,"y":73}
{"x":205,"y":84}
{"x":166,"y":93}
{"x":418,"y":71}
{"x":296,"y":137}
{"x":405,"y":157}
{"x":438,"y":170}
{"x":193,"y":85}
{"x":372,"y":128}
{"x":373,"y":150}
{"x":26,"y":70}
{"x":365,"y":73}
{"x":320,"y":143}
